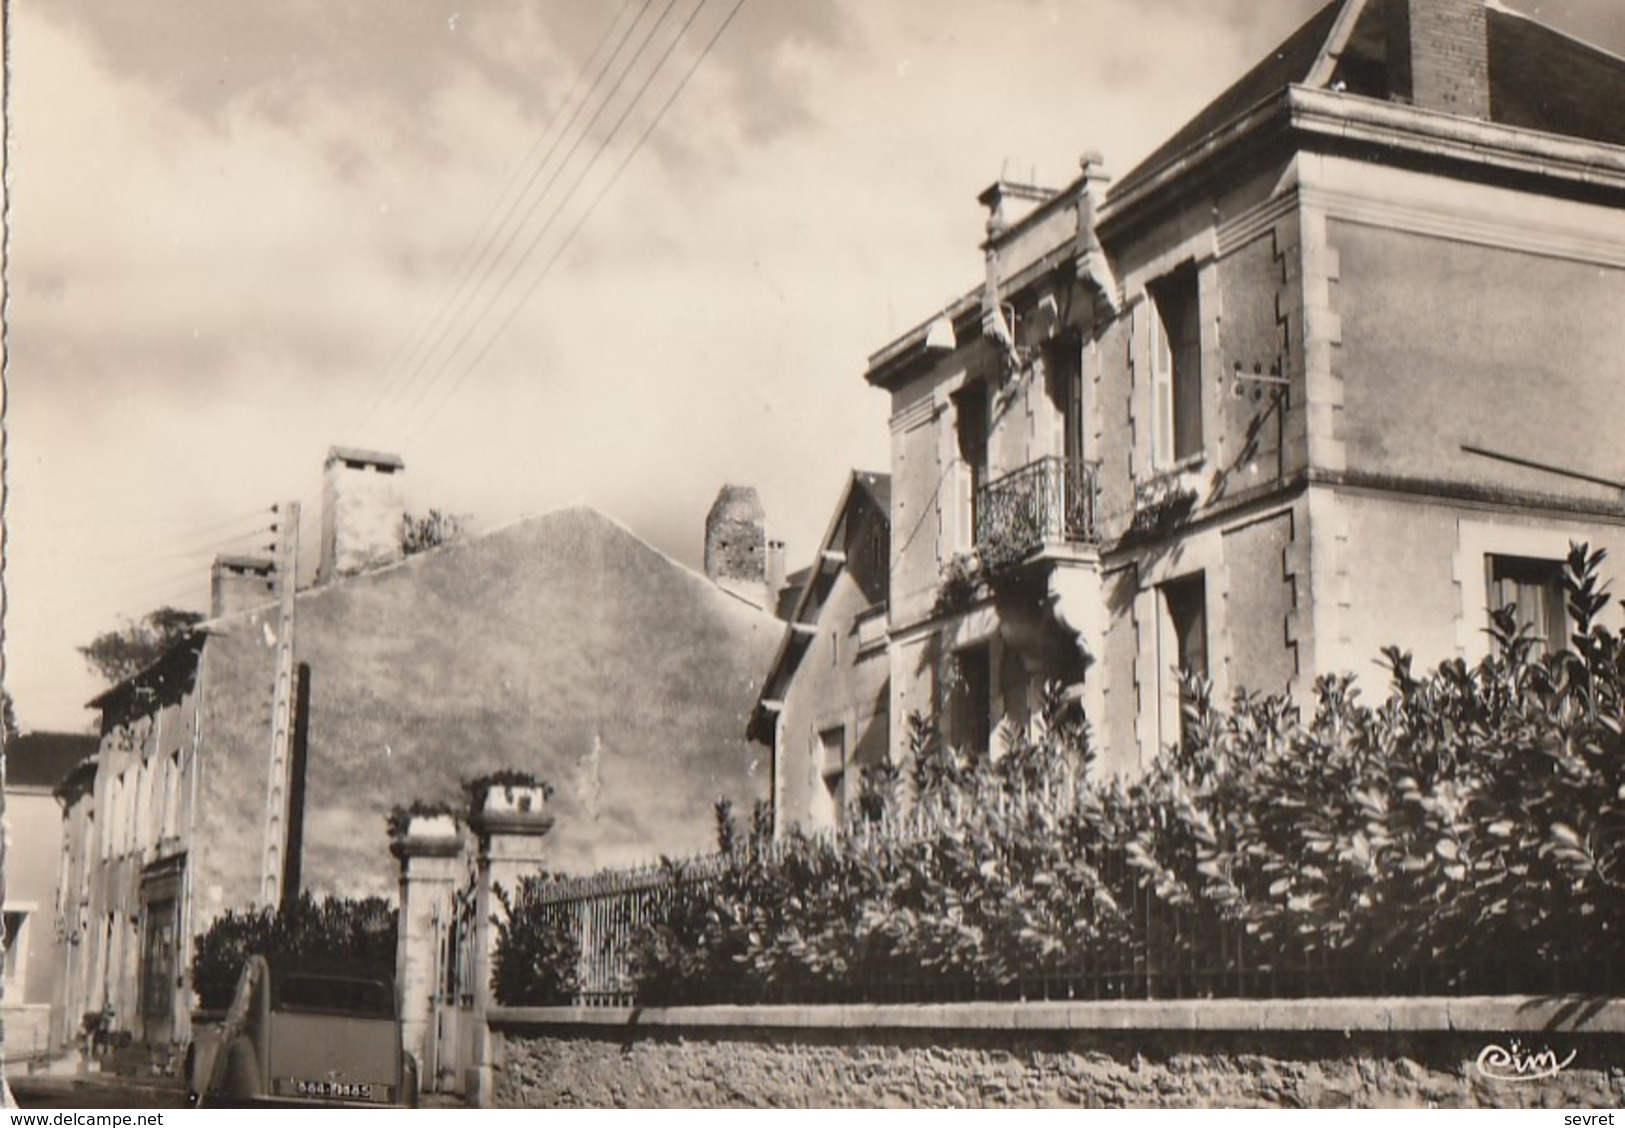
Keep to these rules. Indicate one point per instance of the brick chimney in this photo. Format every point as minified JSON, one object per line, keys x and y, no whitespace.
{"x":1439,"y":55}
{"x":361,"y":512}
{"x":237,"y":583}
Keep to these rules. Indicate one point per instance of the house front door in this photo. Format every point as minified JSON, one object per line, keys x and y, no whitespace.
{"x":160,"y":950}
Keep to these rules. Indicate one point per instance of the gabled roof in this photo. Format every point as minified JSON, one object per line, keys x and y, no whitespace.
{"x":1540,"y":79}
{"x":1289,"y":63}
{"x":876,"y":489}
{"x":562,"y":644}
{"x":45,"y":759}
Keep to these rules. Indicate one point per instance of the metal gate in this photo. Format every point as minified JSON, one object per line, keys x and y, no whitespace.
{"x":448,"y":1047}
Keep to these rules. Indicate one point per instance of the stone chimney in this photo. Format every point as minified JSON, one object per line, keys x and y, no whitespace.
{"x":736,"y":547}
{"x":1439,"y":55}
{"x":237,"y":583}
{"x":776,"y":568}
{"x":1009,"y":202}
{"x":361,"y":512}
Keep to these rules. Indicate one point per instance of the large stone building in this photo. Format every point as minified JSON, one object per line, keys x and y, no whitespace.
{"x":1337,"y":366}
{"x":561,"y":645}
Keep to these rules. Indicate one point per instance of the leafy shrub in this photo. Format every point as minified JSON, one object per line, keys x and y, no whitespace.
{"x":1466,"y":835}
{"x":336,"y":928}
{"x":400,"y":817}
{"x":506,"y":778}
{"x":537,"y":952}
{"x":436,"y":528}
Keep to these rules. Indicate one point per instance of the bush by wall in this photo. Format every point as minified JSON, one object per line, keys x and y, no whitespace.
{"x":537,"y":951}
{"x":336,"y":928}
{"x":1465,"y":835}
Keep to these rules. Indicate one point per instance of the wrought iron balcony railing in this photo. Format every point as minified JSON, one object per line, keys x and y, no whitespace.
{"x":1049,"y":501}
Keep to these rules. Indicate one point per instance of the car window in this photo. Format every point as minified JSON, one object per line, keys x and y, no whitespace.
{"x":330,"y":994}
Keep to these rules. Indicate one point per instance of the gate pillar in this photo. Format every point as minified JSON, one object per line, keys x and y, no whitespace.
{"x":509,"y":821}
{"x":430,"y":853}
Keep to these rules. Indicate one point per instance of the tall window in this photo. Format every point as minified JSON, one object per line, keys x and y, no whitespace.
{"x":15,"y":922}
{"x":971,"y":409}
{"x":1533,"y":589}
{"x":1183,"y":645}
{"x":1187,"y":615}
{"x":1176,"y":362}
{"x":1063,"y":362}
{"x":829,"y":794}
{"x":973,"y":699}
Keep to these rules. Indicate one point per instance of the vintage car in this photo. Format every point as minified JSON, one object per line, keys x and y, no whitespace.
{"x":304,"y":1033}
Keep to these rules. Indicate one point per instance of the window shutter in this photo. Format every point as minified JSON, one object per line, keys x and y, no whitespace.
{"x":1162,"y":388}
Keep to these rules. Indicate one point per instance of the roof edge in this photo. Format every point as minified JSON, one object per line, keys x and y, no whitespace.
{"x":787,"y":644}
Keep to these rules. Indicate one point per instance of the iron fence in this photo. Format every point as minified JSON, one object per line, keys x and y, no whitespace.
{"x":1146,"y":948}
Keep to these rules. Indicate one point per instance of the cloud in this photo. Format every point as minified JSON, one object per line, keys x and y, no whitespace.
{"x":232,"y":222}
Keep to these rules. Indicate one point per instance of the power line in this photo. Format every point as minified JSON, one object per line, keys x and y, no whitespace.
{"x":172,"y":551}
{"x":559,"y":207}
{"x":387,"y":387}
{"x":184,"y":529}
{"x":152,"y":595}
{"x":593,"y":206}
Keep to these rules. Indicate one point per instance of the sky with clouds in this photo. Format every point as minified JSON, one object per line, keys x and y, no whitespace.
{"x":242,"y":233}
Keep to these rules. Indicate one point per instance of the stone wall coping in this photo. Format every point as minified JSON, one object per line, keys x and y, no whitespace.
{"x":1498,"y":1014}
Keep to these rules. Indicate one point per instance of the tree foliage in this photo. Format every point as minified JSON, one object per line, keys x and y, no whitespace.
{"x":436,"y":528}
{"x":8,"y":717}
{"x":1466,"y":834}
{"x":117,"y":655}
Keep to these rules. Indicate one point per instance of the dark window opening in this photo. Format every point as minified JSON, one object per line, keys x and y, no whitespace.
{"x":973,"y":700}
{"x":971,"y":409}
{"x":1187,"y":614}
{"x":331,"y":994}
{"x":1177,"y":366}
{"x":1533,"y":590}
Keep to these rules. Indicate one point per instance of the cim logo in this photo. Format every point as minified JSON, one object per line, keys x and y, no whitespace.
{"x":1515,"y":1064}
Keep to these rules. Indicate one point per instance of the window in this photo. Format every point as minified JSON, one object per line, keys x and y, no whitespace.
{"x":1533,"y":589}
{"x":829,"y":793}
{"x":15,"y":922}
{"x":1187,"y":614}
{"x":1063,"y":362}
{"x":971,"y":409}
{"x":1182,"y":641}
{"x":1176,"y":367}
{"x":973,"y":699}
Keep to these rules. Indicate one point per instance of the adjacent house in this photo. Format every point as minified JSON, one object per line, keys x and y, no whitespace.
{"x":824,"y":706}
{"x":1337,"y":366}
{"x":36,"y":763}
{"x":561,"y":644}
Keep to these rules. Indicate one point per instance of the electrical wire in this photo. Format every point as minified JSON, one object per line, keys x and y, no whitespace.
{"x":593,"y":205}
{"x":393,"y":388}
{"x":559,"y":207}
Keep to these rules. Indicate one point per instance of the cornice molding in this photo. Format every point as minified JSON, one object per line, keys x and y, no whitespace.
{"x":1523,"y":233}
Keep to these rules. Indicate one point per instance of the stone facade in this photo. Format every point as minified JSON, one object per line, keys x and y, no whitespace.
{"x":1283,"y":395}
{"x":560,"y":645}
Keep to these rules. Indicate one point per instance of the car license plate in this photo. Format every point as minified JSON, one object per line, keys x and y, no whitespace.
{"x":335,"y":1090}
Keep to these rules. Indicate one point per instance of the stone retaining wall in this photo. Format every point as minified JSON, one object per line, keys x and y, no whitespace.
{"x":1054,"y":1055}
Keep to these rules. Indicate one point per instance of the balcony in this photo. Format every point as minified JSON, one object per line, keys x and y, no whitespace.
{"x":1053,"y":500}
